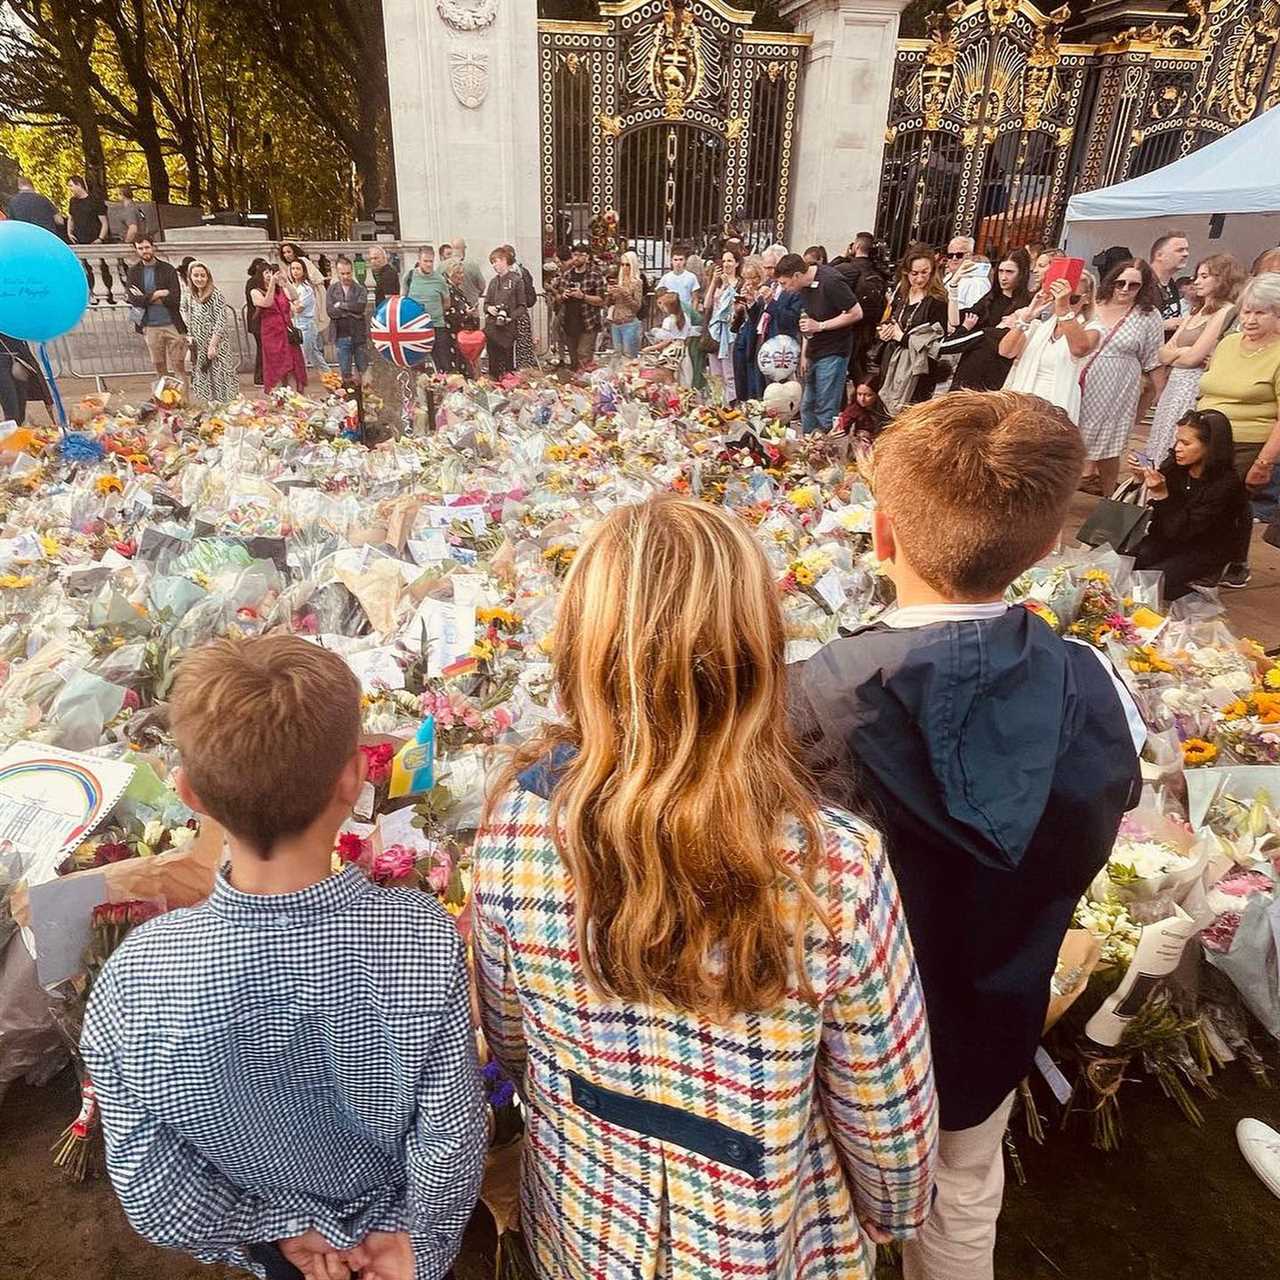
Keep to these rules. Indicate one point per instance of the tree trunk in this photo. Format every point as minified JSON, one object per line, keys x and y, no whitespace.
{"x":69,"y":37}
{"x":128,"y":23}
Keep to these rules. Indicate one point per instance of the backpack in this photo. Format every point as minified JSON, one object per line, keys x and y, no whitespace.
{"x":868,"y":287}
{"x":530,"y":292}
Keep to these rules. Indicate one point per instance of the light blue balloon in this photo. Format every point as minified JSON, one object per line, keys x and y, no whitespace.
{"x":43,"y":289}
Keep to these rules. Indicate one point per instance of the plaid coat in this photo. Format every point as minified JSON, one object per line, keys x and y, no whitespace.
{"x":663,"y":1144}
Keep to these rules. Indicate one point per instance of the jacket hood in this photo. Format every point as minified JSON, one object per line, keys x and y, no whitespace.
{"x":985,"y":709}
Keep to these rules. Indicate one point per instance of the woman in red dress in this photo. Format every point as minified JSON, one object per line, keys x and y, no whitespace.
{"x":281,"y":360}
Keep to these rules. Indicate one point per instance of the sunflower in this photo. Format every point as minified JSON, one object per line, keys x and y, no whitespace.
{"x":108,"y":484}
{"x":1198,"y":751}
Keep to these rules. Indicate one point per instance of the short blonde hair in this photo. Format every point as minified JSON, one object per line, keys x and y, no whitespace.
{"x":264,"y":728}
{"x":977,"y":485}
{"x":1262,"y":293}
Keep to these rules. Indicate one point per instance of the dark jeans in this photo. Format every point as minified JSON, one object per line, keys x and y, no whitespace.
{"x":501,"y":359}
{"x":13,"y":392}
{"x":1264,"y":502}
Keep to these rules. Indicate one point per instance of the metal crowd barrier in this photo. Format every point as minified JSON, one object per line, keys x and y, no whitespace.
{"x":105,"y":344}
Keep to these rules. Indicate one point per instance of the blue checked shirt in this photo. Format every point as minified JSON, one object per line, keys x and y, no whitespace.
{"x":269,"y":1064}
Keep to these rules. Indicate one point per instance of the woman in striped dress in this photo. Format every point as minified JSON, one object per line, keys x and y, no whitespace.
{"x":699,"y":979}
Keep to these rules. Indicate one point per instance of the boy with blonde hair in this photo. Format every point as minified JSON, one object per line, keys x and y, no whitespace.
{"x":997,"y":757}
{"x":287,"y":1073}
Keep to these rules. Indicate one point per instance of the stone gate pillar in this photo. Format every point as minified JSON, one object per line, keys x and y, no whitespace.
{"x":844,"y":107}
{"x":463,"y":76}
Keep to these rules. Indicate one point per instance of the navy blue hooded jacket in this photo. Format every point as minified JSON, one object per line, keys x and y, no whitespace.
{"x":996,"y":759}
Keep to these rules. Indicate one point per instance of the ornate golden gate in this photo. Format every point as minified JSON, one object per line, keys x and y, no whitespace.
{"x":997,"y":118}
{"x":676,"y":116}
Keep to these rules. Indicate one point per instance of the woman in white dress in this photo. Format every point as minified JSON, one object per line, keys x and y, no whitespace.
{"x":1217,"y":283}
{"x":1047,"y":340}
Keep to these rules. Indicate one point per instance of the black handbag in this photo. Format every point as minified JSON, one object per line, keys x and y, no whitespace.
{"x":1120,"y":520}
{"x":294,"y":334}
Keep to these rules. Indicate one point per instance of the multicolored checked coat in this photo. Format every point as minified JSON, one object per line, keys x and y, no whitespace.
{"x":775,"y":1145}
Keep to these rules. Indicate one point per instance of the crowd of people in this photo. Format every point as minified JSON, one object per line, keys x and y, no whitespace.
{"x":766,"y":950}
{"x":1139,"y":335}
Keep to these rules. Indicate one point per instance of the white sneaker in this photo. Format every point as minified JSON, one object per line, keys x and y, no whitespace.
{"x":1260,"y":1146}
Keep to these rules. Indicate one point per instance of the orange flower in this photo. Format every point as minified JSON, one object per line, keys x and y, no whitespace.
{"x":1197,"y":751}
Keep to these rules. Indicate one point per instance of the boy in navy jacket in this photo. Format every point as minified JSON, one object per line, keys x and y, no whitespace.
{"x":996,"y":757}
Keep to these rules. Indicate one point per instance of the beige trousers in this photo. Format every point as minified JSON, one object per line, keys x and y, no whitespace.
{"x":958,"y":1240}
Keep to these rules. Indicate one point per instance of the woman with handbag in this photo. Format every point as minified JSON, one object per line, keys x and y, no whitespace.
{"x":913,"y":332}
{"x":1198,"y":504}
{"x":282,"y":360}
{"x":306,"y":315}
{"x":214,"y":377}
{"x":1125,"y":337}
{"x":503,"y":306}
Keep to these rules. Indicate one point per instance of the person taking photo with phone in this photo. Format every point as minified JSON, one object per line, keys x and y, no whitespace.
{"x":1199,"y":504}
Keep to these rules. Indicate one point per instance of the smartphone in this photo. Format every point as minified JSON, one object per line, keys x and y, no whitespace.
{"x":1145,"y":461}
{"x":1068,"y":269}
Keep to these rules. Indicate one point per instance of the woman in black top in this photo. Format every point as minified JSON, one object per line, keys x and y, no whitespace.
{"x":912,"y":334}
{"x":976,"y":333}
{"x":253,"y":317}
{"x":1199,"y":504}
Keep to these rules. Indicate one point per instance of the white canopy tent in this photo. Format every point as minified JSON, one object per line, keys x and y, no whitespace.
{"x":1235,"y":181}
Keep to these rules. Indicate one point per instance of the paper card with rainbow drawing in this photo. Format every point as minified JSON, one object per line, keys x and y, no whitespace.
{"x":51,"y":799}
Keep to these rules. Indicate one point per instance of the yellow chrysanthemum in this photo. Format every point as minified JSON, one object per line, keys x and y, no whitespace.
{"x":1272,"y":678}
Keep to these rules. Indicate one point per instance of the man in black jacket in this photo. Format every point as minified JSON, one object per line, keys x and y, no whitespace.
{"x":996,"y":758}
{"x":155,"y":294}
{"x":386,"y":280}
{"x":867,"y":281}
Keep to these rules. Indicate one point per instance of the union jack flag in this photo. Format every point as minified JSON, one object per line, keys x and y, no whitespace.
{"x":402,"y":331}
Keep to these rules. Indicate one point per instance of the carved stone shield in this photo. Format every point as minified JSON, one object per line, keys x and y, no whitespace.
{"x":469,"y":76}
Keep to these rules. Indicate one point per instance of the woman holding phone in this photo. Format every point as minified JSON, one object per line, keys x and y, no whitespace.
{"x":1199,"y":504}
{"x":1047,"y":342}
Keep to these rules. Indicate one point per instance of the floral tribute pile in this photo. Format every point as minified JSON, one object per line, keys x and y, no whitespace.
{"x":432,"y":563}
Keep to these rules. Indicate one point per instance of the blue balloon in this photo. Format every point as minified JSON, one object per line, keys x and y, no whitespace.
{"x":43,"y":290}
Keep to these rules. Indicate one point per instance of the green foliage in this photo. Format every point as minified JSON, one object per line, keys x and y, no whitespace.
{"x":220,"y":103}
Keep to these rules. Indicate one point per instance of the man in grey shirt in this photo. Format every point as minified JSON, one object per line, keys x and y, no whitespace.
{"x":473,"y":281}
{"x":129,"y":217}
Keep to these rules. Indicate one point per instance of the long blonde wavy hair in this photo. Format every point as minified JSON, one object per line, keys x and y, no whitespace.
{"x":669,"y":667}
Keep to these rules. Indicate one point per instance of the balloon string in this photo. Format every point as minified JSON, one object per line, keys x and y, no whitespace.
{"x":58,"y":407}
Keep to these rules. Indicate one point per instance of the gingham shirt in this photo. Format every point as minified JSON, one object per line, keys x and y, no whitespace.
{"x":266,"y":1064}
{"x":840,"y":1097}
